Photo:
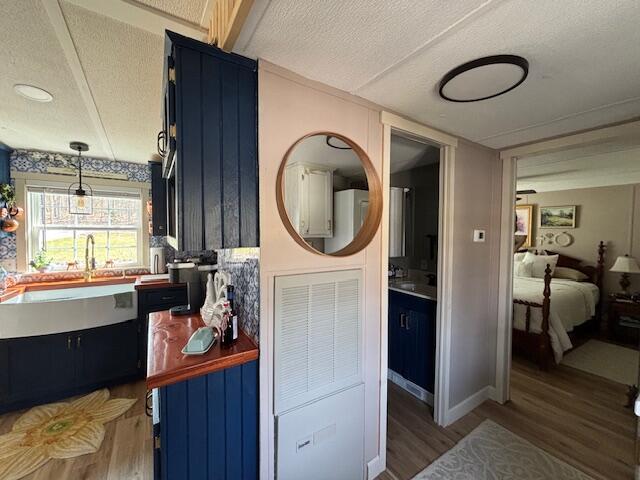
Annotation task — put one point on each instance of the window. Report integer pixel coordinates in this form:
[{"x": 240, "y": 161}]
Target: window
[{"x": 115, "y": 225}]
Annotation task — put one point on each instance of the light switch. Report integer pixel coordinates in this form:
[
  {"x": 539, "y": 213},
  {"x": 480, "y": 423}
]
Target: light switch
[{"x": 479, "y": 236}]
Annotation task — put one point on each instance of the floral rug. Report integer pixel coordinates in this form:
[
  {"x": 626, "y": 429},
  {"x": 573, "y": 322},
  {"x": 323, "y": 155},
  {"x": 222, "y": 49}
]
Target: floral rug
[
  {"x": 490, "y": 452},
  {"x": 58, "y": 430}
]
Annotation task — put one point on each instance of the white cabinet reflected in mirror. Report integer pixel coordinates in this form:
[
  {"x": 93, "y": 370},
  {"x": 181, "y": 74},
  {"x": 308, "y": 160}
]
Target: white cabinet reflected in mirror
[{"x": 324, "y": 194}]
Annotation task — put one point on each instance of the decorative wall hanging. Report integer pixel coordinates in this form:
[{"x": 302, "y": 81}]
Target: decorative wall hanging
[
  {"x": 524, "y": 216},
  {"x": 563, "y": 239},
  {"x": 558, "y": 217},
  {"x": 10, "y": 213}
]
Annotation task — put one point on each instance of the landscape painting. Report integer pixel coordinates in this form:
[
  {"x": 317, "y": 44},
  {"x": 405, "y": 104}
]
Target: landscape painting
[{"x": 558, "y": 217}]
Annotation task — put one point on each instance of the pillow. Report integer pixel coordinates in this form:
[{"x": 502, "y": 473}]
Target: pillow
[
  {"x": 539, "y": 263},
  {"x": 518, "y": 257},
  {"x": 570, "y": 274},
  {"x": 521, "y": 269}
]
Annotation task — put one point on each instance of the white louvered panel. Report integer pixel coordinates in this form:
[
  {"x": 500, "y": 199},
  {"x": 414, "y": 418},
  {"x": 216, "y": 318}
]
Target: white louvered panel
[
  {"x": 347, "y": 330},
  {"x": 322, "y": 314},
  {"x": 318, "y": 336}
]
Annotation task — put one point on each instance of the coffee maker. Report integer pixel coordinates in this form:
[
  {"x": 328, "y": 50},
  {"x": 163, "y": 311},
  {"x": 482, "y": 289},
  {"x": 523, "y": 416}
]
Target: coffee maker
[{"x": 187, "y": 273}]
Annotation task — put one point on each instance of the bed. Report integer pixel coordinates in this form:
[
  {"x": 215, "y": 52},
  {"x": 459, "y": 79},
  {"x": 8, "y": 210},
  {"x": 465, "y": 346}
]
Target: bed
[{"x": 549, "y": 311}]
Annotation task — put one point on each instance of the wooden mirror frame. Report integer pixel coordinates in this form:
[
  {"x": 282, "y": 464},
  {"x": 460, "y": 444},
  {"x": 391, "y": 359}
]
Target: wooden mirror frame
[{"x": 374, "y": 212}]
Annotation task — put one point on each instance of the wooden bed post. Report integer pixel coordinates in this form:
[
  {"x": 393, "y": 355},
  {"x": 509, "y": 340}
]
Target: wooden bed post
[
  {"x": 599, "y": 282},
  {"x": 545, "y": 340}
]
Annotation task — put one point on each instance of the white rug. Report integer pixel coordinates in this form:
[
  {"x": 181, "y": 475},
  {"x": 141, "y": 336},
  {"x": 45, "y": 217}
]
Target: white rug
[
  {"x": 614, "y": 362},
  {"x": 490, "y": 452}
]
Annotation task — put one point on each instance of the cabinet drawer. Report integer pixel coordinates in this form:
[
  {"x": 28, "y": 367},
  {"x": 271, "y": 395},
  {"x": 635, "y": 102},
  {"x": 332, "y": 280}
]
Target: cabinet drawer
[{"x": 173, "y": 296}]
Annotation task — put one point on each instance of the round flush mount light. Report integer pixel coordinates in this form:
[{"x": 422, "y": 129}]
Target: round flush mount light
[
  {"x": 33, "y": 93},
  {"x": 484, "y": 78}
]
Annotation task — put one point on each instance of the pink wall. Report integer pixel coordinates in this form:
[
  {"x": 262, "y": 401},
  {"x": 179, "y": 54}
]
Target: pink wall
[{"x": 290, "y": 107}]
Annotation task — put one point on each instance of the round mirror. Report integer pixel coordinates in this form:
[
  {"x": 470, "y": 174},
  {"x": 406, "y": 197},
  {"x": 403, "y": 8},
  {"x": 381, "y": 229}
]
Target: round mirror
[{"x": 328, "y": 193}]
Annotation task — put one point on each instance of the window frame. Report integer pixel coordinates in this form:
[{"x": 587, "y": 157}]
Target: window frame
[{"x": 31, "y": 239}]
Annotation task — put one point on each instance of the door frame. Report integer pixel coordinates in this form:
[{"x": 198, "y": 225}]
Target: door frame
[
  {"x": 394, "y": 124},
  {"x": 509, "y": 159}
]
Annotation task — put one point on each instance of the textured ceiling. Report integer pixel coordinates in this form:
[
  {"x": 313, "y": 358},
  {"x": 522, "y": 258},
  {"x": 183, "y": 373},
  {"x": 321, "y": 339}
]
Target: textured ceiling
[
  {"x": 584, "y": 71},
  {"x": 123, "y": 66},
  {"x": 189, "y": 10},
  {"x": 104, "y": 72},
  {"x": 407, "y": 154},
  {"x": 614, "y": 162},
  {"x": 31, "y": 54}
]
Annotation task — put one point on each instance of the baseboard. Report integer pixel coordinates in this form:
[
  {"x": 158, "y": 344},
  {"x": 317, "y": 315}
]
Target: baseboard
[
  {"x": 375, "y": 467},
  {"x": 467, "y": 405},
  {"x": 407, "y": 385}
]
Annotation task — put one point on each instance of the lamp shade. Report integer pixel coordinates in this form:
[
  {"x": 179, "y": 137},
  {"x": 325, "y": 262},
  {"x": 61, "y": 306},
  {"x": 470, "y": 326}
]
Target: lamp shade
[{"x": 626, "y": 264}]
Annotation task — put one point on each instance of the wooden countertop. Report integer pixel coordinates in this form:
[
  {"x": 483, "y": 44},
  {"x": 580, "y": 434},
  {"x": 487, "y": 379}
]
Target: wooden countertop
[
  {"x": 166, "y": 364},
  {"x": 162, "y": 283}
]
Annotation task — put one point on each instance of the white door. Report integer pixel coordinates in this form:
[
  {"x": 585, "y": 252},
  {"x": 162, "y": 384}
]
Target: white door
[{"x": 319, "y": 193}]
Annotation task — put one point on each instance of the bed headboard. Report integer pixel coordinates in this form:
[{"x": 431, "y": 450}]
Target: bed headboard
[{"x": 595, "y": 273}]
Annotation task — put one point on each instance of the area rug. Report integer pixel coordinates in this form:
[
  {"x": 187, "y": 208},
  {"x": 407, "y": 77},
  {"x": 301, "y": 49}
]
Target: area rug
[
  {"x": 490, "y": 452},
  {"x": 607, "y": 360},
  {"x": 58, "y": 430}
]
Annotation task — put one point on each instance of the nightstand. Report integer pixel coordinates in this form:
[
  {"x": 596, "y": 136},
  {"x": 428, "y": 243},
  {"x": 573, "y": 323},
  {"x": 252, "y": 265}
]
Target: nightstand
[{"x": 624, "y": 320}]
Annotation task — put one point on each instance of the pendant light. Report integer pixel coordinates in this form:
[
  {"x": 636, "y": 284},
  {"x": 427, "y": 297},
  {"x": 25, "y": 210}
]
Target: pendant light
[{"x": 80, "y": 197}]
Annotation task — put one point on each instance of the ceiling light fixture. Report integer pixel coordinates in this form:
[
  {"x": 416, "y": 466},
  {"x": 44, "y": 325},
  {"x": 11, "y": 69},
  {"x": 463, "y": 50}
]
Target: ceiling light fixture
[
  {"x": 32, "y": 93},
  {"x": 484, "y": 78},
  {"x": 337, "y": 143},
  {"x": 80, "y": 201}
]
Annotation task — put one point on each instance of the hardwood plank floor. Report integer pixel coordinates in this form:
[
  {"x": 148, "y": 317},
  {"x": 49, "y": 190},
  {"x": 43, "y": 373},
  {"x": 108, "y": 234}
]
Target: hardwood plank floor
[
  {"x": 575, "y": 416},
  {"x": 126, "y": 451}
]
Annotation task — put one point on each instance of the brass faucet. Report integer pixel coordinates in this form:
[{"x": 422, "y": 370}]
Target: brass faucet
[{"x": 89, "y": 269}]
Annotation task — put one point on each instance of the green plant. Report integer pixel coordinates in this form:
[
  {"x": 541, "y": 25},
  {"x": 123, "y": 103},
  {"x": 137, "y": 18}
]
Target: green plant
[
  {"x": 41, "y": 260},
  {"x": 7, "y": 194}
]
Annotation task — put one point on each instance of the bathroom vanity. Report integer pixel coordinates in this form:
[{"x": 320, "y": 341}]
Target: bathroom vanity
[{"x": 205, "y": 407}]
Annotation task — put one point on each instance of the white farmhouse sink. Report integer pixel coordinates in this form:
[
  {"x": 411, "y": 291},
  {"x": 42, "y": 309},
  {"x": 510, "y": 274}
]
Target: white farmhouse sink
[{"x": 44, "y": 312}]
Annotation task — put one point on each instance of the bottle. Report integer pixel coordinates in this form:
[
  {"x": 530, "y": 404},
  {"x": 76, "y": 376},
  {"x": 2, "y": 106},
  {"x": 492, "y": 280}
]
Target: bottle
[
  {"x": 227, "y": 327},
  {"x": 233, "y": 315}
]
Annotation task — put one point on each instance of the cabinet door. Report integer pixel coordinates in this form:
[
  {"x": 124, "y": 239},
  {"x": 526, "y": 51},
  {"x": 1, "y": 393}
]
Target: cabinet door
[
  {"x": 158, "y": 200},
  {"x": 319, "y": 191},
  {"x": 106, "y": 353},
  {"x": 396, "y": 334},
  {"x": 36, "y": 367},
  {"x": 420, "y": 345}
]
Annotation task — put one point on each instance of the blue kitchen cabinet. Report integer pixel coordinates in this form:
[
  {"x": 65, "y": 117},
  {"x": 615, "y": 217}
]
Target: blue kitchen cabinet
[
  {"x": 412, "y": 338},
  {"x": 208, "y": 427},
  {"x": 46, "y": 368},
  {"x": 212, "y": 150}
]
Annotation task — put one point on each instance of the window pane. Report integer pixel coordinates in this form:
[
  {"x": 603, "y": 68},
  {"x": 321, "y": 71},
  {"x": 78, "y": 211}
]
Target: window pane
[
  {"x": 60, "y": 247},
  {"x": 122, "y": 255},
  {"x": 125, "y": 212},
  {"x": 56, "y": 210}
]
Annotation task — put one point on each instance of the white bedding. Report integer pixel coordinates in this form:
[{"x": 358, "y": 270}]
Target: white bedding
[{"x": 572, "y": 304}]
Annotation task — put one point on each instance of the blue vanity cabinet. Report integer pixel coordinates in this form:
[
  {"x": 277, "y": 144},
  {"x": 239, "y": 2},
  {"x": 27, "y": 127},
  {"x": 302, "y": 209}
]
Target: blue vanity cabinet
[
  {"x": 46, "y": 368},
  {"x": 216, "y": 145},
  {"x": 208, "y": 427},
  {"x": 412, "y": 338}
]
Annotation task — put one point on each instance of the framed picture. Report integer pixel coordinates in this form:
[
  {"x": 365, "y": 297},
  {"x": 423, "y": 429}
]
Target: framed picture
[
  {"x": 524, "y": 214},
  {"x": 558, "y": 217}
]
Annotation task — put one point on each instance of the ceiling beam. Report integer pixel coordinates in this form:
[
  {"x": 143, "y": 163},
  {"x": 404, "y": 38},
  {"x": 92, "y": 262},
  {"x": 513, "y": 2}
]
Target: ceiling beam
[
  {"x": 61, "y": 29},
  {"x": 143, "y": 17},
  {"x": 226, "y": 22}
]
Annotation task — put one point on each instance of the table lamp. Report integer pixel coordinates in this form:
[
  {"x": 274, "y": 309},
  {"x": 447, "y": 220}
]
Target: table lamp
[{"x": 625, "y": 265}]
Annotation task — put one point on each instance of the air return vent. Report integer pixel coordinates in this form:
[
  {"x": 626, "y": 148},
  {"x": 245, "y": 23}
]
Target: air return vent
[{"x": 318, "y": 336}]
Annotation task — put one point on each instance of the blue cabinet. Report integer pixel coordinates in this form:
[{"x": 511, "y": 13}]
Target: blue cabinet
[
  {"x": 215, "y": 164},
  {"x": 209, "y": 427},
  {"x": 412, "y": 338},
  {"x": 158, "y": 200},
  {"x": 47, "y": 368}
]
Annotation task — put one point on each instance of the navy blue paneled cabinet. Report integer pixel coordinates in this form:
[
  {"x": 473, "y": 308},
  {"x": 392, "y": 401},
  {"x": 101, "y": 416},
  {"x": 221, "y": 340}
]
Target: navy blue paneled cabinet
[
  {"x": 412, "y": 332},
  {"x": 211, "y": 160},
  {"x": 208, "y": 427}
]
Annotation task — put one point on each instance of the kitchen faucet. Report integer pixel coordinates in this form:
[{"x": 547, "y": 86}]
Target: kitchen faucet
[{"x": 89, "y": 270}]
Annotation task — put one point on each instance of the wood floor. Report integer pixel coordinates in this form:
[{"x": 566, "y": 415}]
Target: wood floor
[
  {"x": 575, "y": 416},
  {"x": 126, "y": 452}
]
